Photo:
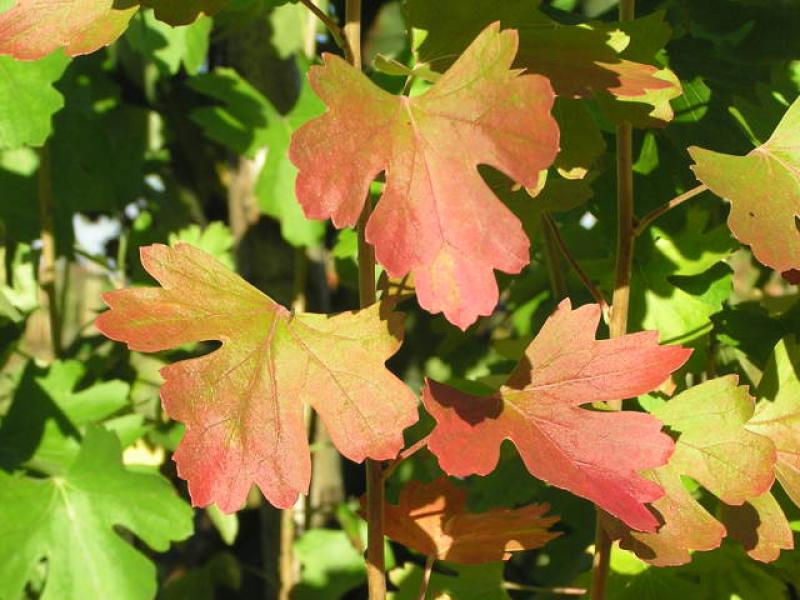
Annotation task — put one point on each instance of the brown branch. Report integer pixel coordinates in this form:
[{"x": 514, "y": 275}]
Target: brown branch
[
  {"x": 47, "y": 265},
  {"x": 408, "y": 452},
  {"x": 552, "y": 227},
  {"x": 336, "y": 32},
  {"x": 645, "y": 222},
  {"x": 426, "y": 577}
]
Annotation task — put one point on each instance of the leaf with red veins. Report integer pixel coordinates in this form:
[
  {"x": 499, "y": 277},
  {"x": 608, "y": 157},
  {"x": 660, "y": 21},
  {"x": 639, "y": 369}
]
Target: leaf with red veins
[
  {"x": 35, "y": 28},
  {"x": 716, "y": 449},
  {"x": 763, "y": 188},
  {"x": 594, "y": 454},
  {"x": 437, "y": 218},
  {"x": 243, "y": 403},
  {"x": 431, "y": 518}
]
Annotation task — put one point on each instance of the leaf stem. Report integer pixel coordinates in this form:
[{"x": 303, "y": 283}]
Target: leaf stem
[
  {"x": 47, "y": 266},
  {"x": 618, "y": 325},
  {"x": 645, "y": 222},
  {"x": 426, "y": 577},
  {"x": 552, "y": 228},
  {"x": 405, "y": 454},
  {"x": 339, "y": 36},
  {"x": 376, "y": 562},
  {"x": 558, "y": 284}
]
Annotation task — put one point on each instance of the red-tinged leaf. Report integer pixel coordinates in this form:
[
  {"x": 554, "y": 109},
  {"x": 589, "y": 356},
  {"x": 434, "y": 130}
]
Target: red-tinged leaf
[
  {"x": 760, "y": 526},
  {"x": 243, "y": 403},
  {"x": 778, "y": 413},
  {"x": 714, "y": 448},
  {"x": 34, "y": 28},
  {"x": 431, "y": 518},
  {"x": 437, "y": 218},
  {"x": 763, "y": 188},
  {"x": 593, "y": 454}
]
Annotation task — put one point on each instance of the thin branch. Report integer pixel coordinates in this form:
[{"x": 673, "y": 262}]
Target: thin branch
[
  {"x": 645, "y": 222},
  {"x": 408, "y": 452},
  {"x": 336, "y": 32},
  {"x": 426, "y": 577},
  {"x": 552, "y": 227},
  {"x": 556, "y": 591},
  {"x": 556, "y": 275},
  {"x": 47, "y": 265}
]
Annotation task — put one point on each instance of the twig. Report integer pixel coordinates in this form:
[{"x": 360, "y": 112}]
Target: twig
[
  {"x": 426, "y": 577},
  {"x": 557, "y": 591},
  {"x": 337, "y": 32},
  {"x": 618, "y": 325},
  {"x": 557, "y": 283},
  {"x": 408, "y": 452},
  {"x": 676, "y": 201},
  {"x": 552, "y": 227},
  {"x": 47, "y": 266}
]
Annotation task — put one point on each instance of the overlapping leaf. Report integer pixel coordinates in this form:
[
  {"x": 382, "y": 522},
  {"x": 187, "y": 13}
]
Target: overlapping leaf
[
  {"x": 431, "y": 518},
  {"x": 715, "y": 448},
  {"x": 437, "y": 218},
  {"x": 578, "y": 60},
  {"x": 763, "y": 188},
  {"x": 70, "y": 522},
  {"x": 593, "y": 454},
  {"x": 243, "y": 403}
]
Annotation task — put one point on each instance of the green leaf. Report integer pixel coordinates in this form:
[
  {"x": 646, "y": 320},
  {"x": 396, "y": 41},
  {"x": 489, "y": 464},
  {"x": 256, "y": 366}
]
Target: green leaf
[
  {"x": 70, "y": 521},
  {"x": 19, "y": 292},
  {"x": 44, "y": 424},
  {"x": 28, "y": 99},
  {"x": 170, "y": 47},
  {"x": 216, "y": 239},
  {"x": 183, "y": 12},
  {"x": 201, "y": 583},
  {"x": 331, "y": 566}
]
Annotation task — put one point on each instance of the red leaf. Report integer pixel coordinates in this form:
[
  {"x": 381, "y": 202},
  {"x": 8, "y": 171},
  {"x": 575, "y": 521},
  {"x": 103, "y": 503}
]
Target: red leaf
[
  {"x": 437, "y": 218},
  {"x": 593, "y": 454},
  {"x": 431, "y": 518},
  {"x": 34, "y": 28},
  {"x": 243, "y": 403}
]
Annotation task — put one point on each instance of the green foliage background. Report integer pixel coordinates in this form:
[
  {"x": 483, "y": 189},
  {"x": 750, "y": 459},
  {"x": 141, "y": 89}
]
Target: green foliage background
[{"x": 181, "y": 133}]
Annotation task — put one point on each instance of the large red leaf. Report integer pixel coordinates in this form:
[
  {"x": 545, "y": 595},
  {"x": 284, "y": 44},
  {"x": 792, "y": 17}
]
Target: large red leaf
[
  {"x": 594, "y": 454},
  {"x": 764, "y": 191},
  {"x": 431, "y": 518},
  {"x": 437, "y": 218},
  {"x": 34, "y": 28},
  {"x": 243, "y": 403}
]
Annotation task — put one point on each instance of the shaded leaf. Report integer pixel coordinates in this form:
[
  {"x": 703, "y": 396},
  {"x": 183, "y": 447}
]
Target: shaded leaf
[
  {"x": 451, "y": 582},
  {"x": 760, "y": 526},
  {"x": 431, "y": 518},
  {"x": 243, "y": 403},
  {"x": 436, "y": 219},
  {"x": 593, "y": 454},
  {"x": 71, "y": 521},
  {"x": 763, "y": 188}
]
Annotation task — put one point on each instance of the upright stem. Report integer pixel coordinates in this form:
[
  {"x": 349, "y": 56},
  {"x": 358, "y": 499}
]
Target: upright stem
[
  {"x": 47, "y": 266},
  {"x": 620, "y": 303},
  {"x": 558, "y": 284},
  {"x": 376, "y": 576}
]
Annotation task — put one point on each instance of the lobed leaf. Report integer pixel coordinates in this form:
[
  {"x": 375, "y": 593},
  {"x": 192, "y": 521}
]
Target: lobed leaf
[
  {"x": 243, "y": 403},
  {"x": 431, "y": 518},
  {"x": 593, "y": 454},
  {"x": 437, "y": 219},
  {"x": 763, "y": 188}
]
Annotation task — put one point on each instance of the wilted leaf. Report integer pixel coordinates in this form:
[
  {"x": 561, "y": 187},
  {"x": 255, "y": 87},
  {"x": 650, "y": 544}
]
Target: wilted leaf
[
  {"x": 243, "y": 403},
  {"x": 436, "y": 218},
  {"x": 431, "y": 518},
  {"x": 593, "y": 454},
  {"x": 764, "y": 191},
  {"x": 70, "y": 521}
]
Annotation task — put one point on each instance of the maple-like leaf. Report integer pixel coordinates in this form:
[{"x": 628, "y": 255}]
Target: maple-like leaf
[
  {"x": 763, "y": 188},
  {"x": 243, "y": 403},
  {"x": 34, "y": 28},
  {"x": 778, "y": 413},
  {"x": 593, "y": 454},
  {"x": 431, "y": 518},
  {"x": 715, "y": 448},
  {"x": 437, "y": 218},
  {"x": 70, "y": 521},
  {"x": 760, "y": 526}
]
